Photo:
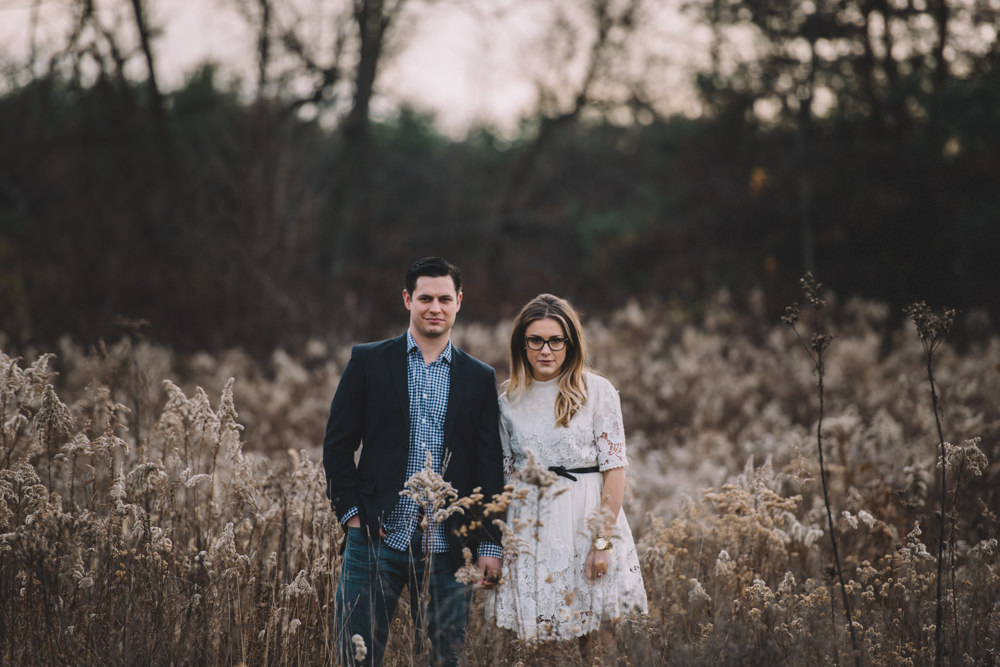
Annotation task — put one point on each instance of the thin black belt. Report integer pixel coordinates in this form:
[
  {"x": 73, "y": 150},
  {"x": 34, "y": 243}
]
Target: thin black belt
[{"x": 563, "y": 471}]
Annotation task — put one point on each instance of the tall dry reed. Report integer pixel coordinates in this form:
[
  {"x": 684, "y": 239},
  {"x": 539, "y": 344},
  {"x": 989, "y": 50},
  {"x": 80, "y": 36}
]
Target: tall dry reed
[{"x": 819, "y": 342}]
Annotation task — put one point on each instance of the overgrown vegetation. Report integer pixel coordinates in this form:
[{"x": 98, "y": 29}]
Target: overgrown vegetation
[{"x": 143, "y": 521}]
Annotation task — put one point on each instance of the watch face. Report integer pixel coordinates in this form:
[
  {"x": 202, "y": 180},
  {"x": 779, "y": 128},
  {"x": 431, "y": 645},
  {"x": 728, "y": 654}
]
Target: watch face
[{"x": 600, "y": 544}]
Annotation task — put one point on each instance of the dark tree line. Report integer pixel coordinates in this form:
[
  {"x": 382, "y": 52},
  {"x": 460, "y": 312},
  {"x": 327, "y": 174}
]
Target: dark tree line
[{"x": 226, "y": 220}]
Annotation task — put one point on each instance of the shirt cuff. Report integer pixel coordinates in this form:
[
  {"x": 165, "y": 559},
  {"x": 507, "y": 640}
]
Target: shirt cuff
[
  {"x": 349, "y": 514},
  {"x": 490, "y": 550}
]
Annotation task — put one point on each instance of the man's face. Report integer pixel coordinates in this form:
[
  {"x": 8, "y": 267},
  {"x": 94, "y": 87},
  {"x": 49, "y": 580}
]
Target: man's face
[{"x": 433, "y": 306}]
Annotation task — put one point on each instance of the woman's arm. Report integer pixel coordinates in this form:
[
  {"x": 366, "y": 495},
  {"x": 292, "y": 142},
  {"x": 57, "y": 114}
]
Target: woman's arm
[
  {"x": 611, "y": 504},
  {"x": 611, "y": 499}
]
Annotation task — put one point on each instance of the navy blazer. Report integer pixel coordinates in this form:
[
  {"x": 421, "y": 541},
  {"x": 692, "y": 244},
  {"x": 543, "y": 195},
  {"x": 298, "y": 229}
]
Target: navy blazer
[{"x": 371, "y": 409}]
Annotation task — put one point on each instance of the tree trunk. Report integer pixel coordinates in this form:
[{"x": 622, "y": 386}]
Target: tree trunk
[
  {"x": 263, "y": 47},
  {"x": 155, "y": 97}
]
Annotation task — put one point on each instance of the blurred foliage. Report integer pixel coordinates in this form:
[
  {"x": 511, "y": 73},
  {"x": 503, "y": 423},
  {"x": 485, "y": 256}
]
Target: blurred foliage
[{"x": 247, "y": 224}]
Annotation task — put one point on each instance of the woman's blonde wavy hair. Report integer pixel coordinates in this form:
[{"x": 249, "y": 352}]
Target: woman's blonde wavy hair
[{"x": 572, "y": 387}]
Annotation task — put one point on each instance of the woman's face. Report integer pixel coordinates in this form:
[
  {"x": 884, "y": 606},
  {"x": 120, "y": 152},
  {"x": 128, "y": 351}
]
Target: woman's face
[{"x": 545, "y": 363}]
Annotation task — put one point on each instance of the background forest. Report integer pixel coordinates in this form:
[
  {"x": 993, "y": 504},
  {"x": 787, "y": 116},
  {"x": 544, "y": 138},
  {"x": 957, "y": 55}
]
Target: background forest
[
  {"x": 858, "y": 140},
  {"x": 183, "y": 270}
]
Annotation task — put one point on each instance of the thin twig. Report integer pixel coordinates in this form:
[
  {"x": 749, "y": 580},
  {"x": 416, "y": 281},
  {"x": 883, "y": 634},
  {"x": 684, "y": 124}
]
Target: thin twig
[
  {"x": 932, "y": 328},
  {"x": 815, "y": 349}
]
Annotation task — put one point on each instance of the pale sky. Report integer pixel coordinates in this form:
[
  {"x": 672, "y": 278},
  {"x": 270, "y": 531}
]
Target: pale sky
[
  {"x": 444, "y": 68},
  {"x": 464, "y": 67}
]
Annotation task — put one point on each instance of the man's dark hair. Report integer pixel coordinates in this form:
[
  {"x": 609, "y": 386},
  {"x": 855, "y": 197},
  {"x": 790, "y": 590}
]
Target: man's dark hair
[{"x": 432, "y": 267}]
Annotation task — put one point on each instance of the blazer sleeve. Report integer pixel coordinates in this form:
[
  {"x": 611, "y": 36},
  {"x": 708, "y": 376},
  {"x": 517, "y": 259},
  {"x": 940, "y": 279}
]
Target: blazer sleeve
[
  {"x": 343, "y": 436},
  {"x": 490, "y": 459}
]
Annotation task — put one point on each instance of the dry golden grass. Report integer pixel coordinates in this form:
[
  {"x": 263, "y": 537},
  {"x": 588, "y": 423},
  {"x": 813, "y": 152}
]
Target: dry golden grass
[{"x": 146, "y": 522}]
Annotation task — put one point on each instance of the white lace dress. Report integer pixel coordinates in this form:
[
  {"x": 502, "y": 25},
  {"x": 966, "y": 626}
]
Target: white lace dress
[{"x": 545, "y": 594}]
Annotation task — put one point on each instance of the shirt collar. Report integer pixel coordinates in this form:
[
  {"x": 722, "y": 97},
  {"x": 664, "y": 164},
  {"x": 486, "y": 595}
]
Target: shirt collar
[{"x": 411, "y": 345}]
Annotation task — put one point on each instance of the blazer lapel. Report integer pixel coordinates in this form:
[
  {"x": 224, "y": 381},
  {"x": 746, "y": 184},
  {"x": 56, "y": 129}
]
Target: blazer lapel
[
  {"x": 397, "y": 370},
  {"x": 456, "y": 393}
]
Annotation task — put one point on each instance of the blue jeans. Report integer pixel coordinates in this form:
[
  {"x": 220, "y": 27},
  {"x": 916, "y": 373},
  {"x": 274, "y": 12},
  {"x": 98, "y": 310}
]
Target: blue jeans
[{"x": 372, "y": 578}]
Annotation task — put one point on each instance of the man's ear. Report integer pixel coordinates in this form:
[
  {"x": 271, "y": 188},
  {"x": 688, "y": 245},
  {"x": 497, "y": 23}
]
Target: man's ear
[
  {"x": 458, "y": 302},
  {"x": 406, "y": 299}
]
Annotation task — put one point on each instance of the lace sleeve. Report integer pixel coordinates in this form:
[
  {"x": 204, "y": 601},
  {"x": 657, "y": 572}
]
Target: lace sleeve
[
  {"x": 508, "y": 454},
  {"x": 609, "y": 429}
]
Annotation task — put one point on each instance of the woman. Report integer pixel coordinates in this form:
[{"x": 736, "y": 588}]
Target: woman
[{"x": 569, "y": 557}]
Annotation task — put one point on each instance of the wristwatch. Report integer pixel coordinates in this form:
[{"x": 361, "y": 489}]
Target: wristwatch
[{"x": 602, "y": 544}]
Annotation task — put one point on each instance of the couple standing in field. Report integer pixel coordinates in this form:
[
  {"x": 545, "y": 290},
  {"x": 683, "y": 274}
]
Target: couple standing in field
[{"x": 556, "y": 433}]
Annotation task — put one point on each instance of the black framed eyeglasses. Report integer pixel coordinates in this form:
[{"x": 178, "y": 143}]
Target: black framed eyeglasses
[{"x": 536, "y": 343}]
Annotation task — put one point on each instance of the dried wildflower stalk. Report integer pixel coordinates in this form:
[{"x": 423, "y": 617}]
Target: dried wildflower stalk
[
  {"x": 932, "y": 328},
  {"x": 817, "y": 345},
  {"x": 438, "y": 500}
]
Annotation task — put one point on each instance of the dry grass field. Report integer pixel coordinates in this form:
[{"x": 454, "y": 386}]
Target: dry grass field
[{"x": 166, "y": 510}]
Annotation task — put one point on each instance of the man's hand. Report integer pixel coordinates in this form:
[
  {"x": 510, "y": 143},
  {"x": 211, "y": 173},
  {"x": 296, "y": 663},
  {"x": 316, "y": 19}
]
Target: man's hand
[
  {"x": 489, "y": 569},
  {"x": 355, "y": 522}
]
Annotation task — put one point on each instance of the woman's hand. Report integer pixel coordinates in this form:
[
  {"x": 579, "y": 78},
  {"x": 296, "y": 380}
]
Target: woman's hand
[{"x": 597, "y": 563}]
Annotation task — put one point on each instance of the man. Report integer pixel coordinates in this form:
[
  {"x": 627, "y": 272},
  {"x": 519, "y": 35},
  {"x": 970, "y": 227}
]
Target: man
[{"x": 404, "y": 399}]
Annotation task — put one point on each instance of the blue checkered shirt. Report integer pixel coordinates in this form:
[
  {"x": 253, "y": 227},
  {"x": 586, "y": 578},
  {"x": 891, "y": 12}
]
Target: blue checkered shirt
[{"x": 428, "y": 386}]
